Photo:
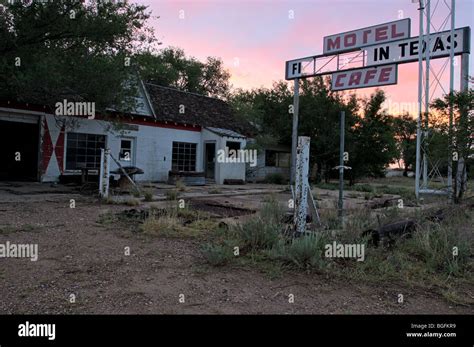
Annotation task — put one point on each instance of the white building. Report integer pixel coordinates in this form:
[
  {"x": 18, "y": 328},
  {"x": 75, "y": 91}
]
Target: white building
[{"x": 170, "y": 131}]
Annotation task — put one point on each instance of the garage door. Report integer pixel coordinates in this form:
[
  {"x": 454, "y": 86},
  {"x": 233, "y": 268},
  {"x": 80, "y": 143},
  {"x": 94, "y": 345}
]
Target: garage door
[{"x": 19, "y": 150}]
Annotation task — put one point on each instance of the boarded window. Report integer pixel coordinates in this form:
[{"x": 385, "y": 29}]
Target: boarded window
[
  {"x": 232, "y": 145},
  {"x": 83, "y": 151},
  {"x": 277, "y": 159},
  {"x": 184, "y": 156}
]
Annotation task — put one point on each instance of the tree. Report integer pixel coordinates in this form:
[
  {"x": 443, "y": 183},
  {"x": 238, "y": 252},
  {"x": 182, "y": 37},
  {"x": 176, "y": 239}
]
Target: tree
[
  {"x": 372, "y": 143},
  {"x": 462, "y": 103},
  {"x": 405, "y": 135},
  {"x": 171, "y": 67},
  {"x": 56, "y": 50},
  {"x": 270, "y": 110}
]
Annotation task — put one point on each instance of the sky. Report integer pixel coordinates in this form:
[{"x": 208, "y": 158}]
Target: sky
[{"x": 254, "y": 38}]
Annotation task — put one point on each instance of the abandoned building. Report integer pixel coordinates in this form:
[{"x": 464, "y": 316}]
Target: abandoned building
[{"x": 169, "y": 131}]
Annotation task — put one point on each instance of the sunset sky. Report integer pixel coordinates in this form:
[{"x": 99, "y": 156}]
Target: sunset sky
[{"x": 254, "y": 38}]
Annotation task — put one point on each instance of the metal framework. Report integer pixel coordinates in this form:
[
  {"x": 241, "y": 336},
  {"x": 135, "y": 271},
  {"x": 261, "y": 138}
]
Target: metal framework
[{"x": 433, "y": 18}]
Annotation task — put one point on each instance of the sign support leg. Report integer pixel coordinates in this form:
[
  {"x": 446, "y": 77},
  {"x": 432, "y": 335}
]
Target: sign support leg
[
  {"x": 301, "y": 184},
  {"x": 341, "y": 167},
  {"x": 294, "y": 137}
]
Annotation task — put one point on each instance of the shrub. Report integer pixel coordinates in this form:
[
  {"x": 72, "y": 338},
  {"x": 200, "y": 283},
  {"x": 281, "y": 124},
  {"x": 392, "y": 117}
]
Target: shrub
[
  {"x": 261, "y": 231},
  {"x": 275, "y": 178},
  {"x": 217, "y": 255},
  {"x": 148, "y": 195},
  {"x": 164, "y": 225},
  {"x": 434, "y": 245},
  {"x": 171, "y": 194},
  {"x": 135, "y": 192},
  {"x": 367, "y": 188},
  {"x": 255, "y": 234},
  {"x": 271, "y": 211},
  {"x": 132, "y": 202},
  {"x": 180, "y": 186},
  {"x": 304, "y": 252}
]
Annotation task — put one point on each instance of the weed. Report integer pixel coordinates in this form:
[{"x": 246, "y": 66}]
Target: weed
[{"x": 217, "y": 255}]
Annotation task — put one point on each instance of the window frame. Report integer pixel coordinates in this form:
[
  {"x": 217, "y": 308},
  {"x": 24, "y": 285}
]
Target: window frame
[
  {"x": 187, "y": 163},
  {"x": 69, "y": 147}
]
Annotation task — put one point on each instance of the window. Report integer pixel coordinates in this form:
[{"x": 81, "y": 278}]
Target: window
[
  {"x": 83, "y": 151},
  {"x": 184, "y": 156},
  {"x": 125, "y": 150},
  {"x": 232, "y": 145},
  {"x": 277, "y": 159}
]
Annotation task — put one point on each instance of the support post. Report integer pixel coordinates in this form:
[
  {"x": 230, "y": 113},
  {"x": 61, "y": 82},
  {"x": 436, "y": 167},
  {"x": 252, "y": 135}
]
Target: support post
[
  {"x": 294, "y": 135},
  {"x": 341, "y": 165},
  {"x": 427, "y": 95},
  {"x": 301, "y": 184},
  {"x": 451, "y": 111},
  {"x": 461, "y": 174},
  {"x": 420, "y": 107},
  {"x": 104, "y": 174}
]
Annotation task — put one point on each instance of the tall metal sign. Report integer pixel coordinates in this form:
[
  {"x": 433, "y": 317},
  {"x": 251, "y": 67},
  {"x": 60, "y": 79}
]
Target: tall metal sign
[{"x": 369, "y": 57}]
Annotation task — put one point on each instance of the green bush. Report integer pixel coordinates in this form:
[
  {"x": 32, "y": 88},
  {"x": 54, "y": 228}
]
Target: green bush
[
  {"x": 261, "y": 231},
  {"x": 217, "y": 255},
  {"x": 256, "y": 234},
  {"x": 303, "y": 252},
  {"x": 434, "y": 245},
  {"x": 271, "y": 211}
]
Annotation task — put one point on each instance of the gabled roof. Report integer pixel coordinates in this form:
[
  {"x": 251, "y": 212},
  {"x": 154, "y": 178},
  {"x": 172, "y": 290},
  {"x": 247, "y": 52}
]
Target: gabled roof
[{"x": 172, "y": 105}]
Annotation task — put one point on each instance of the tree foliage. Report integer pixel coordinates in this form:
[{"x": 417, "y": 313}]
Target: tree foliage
[
  {"x": 55, "y": 50},
  {"x": 405, "y": 136},
  {"x": 171, "y": 67},
  {"x": 368, "y": 128}
]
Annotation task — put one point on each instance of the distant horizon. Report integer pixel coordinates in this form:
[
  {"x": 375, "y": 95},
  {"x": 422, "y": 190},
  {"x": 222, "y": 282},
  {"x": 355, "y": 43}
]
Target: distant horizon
[{"x": 255, "y": 38}]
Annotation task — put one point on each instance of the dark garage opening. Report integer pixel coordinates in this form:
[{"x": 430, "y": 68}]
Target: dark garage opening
[{"x": 18, "y": 138}]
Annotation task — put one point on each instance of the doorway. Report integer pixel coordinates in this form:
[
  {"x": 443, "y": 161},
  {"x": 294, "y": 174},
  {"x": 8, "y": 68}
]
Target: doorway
[
  {"x": 210, "y": 159},
  {"x": 19, "y": 143}
]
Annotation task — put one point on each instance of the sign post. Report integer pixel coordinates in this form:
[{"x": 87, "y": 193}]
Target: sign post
[
  {"x": 294, "y": 136},
  {"x": 341, "y": 166},
  {"x": 301, "y": 184}
]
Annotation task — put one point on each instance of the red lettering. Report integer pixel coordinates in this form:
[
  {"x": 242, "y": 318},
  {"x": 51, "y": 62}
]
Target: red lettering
[
  {"x": 370, "y": 75},
  {"x": 381, "y": 33},
  {"x": 350, "y": 40},
  {"x": 333, "y": 44},
  {"x": 338, "y": 79},
  {"x": 394, "y": 32},
  {"x": 385, "y": 74},
  {"x": 366, "y": 34},
  {"x": 355, "y": 78}
]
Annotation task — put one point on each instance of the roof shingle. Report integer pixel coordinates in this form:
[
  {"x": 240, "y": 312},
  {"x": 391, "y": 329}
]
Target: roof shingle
[{"x": 173, "y": 105}]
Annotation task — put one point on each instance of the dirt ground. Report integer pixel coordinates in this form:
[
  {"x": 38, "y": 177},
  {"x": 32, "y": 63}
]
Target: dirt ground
[{"x": 78, "y": 255}]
